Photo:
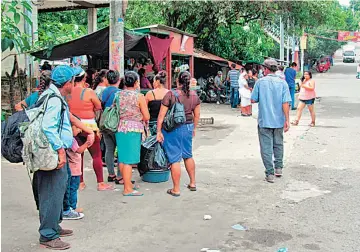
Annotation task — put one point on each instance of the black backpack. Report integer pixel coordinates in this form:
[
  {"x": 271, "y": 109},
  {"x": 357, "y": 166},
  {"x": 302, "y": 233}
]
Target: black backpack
[
  {"x": 175, "y": 116},
  {"x": 11, "y": 144}
]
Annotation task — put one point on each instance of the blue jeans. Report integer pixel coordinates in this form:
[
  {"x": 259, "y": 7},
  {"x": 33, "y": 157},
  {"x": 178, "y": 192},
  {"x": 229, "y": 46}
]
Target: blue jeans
[
  {"x": 50, "y": 190},
  {"x": 110, "y": 145},
  {"x": 234, "y": 97},
  {"x": 292, "y": 94},
  {"x": 74, "y": 187},
  {"x": 271, "y": 145}
]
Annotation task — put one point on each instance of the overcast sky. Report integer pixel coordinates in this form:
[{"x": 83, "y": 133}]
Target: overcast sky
[{"x": 344, "y": 2}]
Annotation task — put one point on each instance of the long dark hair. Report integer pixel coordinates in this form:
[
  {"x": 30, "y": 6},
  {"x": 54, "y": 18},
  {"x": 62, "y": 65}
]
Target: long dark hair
[
  {"x": 89, "y": 76},
  {"x": 184, "y": 81},
  {"x": 161, "y": 76},
  {"x": 45, "y": 79},
  {"x": 303, "y": 77},
  {"x": 99, "y": 77}
]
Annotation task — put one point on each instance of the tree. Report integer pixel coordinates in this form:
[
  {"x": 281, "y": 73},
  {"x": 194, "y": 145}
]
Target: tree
[{"x": 11, "y": 36}]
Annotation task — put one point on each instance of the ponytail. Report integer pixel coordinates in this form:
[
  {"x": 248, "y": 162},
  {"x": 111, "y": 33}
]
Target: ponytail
[
  {"x": 45, "y": 79},
  {"x": 99, "y": 77},
  {"x": 184, "y": 81}
]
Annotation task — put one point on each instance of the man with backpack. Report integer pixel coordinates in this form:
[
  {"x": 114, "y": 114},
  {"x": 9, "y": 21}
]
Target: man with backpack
[{"x": 52, "y": 184}]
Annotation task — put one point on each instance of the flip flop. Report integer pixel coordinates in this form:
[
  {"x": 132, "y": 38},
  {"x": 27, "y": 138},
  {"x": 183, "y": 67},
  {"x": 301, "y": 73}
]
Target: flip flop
[
  {"x": 173, "y": 194},
  {"x": 134, "y": 193},
  {"x": 191, "y": 188}
]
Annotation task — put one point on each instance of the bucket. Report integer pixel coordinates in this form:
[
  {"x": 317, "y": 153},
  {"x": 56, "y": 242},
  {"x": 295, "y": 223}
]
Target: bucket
[{"x": 156, "y": 176}]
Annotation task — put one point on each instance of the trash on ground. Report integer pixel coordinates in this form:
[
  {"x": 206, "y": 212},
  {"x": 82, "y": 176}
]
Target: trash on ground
[
  {"x": 204, "y": 249},
  {"x": 283, "y": 250},
  {"x": 239, "y": 227},
  {"x": 117, "y": 190},
  {"x": 247, "y": 176},
  {"x": 207, "y": 217}
]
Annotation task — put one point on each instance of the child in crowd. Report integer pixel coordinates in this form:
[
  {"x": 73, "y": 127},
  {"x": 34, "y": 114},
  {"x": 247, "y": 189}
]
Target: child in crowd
[{"x": 74, "y": 159}]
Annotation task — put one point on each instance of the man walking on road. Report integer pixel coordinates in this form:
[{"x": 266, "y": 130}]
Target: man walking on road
[
  {"x": 51, "y": 185},
  {"x": 233, "y": 77},
  {"x": 290, "y": 75},
  {"x": 272, "y": 94}
]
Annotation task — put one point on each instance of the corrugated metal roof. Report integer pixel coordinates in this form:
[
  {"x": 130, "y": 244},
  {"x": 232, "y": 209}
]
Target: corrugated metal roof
[
  {"x": 198, "y": 53},
  {"x": 60, "y": 5},
  {"x": 166, "y": 28}
]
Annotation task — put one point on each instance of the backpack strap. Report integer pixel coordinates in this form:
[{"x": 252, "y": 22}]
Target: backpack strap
[
  {"x": 62, "y": 111},
  {"x": 152, "y": 91},
  {"x": 109, "y": 95}
]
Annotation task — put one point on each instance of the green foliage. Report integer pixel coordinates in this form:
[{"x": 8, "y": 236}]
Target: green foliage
[
  {"x": 11, "y": 36},
  {"x": 218, "y": 24}
]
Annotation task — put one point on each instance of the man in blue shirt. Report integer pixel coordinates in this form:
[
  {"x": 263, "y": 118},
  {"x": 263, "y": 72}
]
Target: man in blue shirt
[
  {"x": 49, "y": 187},
  {"x": 272, "y": 94},
  {"x": 107, "y": 100},
  {"x": 290, "y": 76},
  {"x": 233, "y": 77}
]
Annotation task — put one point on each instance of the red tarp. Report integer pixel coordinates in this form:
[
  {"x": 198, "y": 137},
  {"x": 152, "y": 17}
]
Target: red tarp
[{"x": 158, "y": 48}]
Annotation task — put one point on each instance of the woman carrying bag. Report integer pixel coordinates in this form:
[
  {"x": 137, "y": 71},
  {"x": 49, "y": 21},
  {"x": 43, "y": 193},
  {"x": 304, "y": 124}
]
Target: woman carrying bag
[{"x": 177, "y": 141}]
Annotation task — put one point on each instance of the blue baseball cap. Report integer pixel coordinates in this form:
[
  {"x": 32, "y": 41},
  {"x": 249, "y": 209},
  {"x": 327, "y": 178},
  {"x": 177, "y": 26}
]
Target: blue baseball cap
[
  {"x": 62, "y": 74},
  {"x": 78, "y": 71}
]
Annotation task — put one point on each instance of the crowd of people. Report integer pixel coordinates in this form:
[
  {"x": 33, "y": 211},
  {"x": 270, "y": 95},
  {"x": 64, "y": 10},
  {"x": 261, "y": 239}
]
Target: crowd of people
[
  {"x": 56, "y": 191},
  {"x": 86, "y": 95}
]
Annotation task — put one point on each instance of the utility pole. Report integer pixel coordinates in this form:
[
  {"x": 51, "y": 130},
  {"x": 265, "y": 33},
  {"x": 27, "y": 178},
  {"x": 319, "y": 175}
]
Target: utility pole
[
  {"x": 288, "y": 43},
  {"x": 281, "y": 40},
  {"x": 116, "y": 41}
]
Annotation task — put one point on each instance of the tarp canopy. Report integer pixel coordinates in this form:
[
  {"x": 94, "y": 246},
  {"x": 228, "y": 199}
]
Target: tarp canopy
[{"x": 95, "y": 44}]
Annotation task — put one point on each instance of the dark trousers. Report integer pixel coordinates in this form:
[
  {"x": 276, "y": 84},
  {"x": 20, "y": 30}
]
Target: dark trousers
[
  {"x": 271, "y": 145},
  {"x": 74, "y": 187},
  {"x": 66, "y": 202},
  {"x": 234, "y": 97},
  {"x": 50, "y": 190}
]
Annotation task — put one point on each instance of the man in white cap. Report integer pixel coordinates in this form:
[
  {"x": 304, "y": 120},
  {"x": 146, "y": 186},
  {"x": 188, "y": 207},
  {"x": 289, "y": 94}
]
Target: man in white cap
[{"x": 273, "y": 96}]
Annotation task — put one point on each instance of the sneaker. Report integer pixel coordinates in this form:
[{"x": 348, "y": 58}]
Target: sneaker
[
  {"x": 72, "y": 215},
  {"x": 66, "y": 232},
  {"x": 270, "y": 178},
  {"x": 56, "y": 244},
  {"x": 218, "y": 103},
  {"x": 278, "y": 172}
]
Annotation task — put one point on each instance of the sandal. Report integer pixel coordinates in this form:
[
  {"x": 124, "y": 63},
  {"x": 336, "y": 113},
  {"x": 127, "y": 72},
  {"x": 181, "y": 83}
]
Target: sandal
[
  {"x": 117, "y": 181},
  {"x": 105, "y": 187},
  {"x": 191, "y": 188},
  {"x": 295, "y": 123},
  {"x": 172, "y": 193},
  {"x": 312, "y": 124},
  {"x": 134, "y": 193}
]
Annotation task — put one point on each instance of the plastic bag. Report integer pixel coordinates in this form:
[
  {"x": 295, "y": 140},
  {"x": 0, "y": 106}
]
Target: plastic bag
[
  {"x": 159, "y": 159},
  {"x": 147, "y": 148}
]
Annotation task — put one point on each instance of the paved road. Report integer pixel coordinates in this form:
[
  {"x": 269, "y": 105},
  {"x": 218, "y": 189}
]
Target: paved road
[{"x": 315, "y": 207}]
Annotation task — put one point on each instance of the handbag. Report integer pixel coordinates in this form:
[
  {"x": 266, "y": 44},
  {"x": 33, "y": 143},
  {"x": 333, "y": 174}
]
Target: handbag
[
  {"x": 110, "y": 118},
  {"x": 175, "y": 116}
]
